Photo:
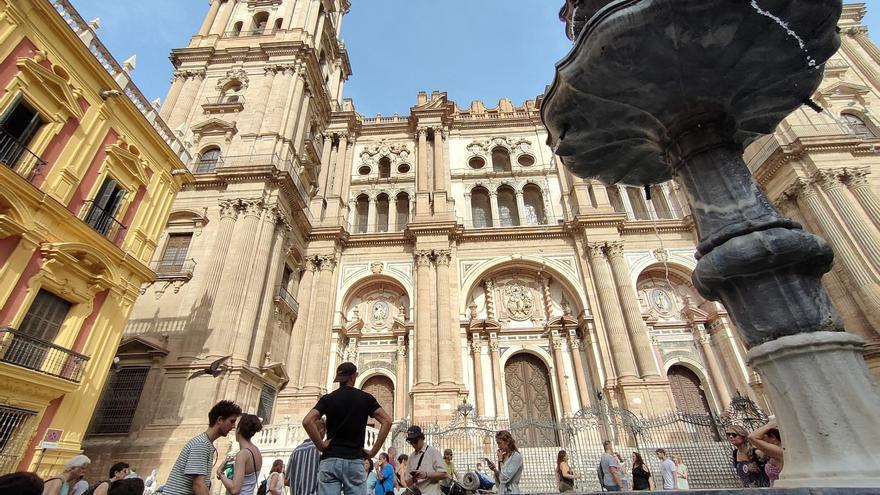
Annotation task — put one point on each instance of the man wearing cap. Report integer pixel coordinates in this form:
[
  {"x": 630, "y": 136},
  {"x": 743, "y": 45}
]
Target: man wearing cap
[
  {"x": 347, "y": 410},
  {"x": 426, "y": 464}
]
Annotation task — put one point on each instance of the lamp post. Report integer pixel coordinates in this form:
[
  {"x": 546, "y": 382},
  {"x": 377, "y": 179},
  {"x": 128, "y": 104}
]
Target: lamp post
[{"x": 656, "y": 89}]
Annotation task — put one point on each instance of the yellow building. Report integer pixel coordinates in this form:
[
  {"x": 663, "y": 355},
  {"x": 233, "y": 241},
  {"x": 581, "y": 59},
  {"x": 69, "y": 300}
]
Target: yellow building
[{"x": 88, "y": 173}]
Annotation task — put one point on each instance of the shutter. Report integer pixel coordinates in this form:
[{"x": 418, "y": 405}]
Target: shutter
[
  {"x": 267, "y": 403},
  {"x": 45, "y": 316},
  {"x": 175, "y": 251}
]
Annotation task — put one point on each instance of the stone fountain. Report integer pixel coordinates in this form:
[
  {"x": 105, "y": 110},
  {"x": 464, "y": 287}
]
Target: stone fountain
[{"x": 656, "y": 89}]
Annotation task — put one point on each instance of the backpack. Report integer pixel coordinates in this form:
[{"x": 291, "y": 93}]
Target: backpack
[
  {"x": 264, "y": 487},
  {"x": 601, "y": 475}
]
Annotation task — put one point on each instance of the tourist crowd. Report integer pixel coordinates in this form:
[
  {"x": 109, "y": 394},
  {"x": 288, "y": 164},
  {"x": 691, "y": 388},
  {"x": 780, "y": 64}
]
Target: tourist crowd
[{"x": 332, "y": 460}]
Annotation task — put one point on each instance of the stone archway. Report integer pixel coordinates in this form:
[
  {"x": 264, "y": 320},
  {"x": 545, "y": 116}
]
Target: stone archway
[
  {"x": 382, "y": 388},
  {"x": 687, "y": 389},
  {"x": 530, "y": 400}
]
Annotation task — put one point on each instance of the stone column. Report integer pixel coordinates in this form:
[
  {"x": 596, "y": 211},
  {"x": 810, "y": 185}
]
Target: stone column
[
  {"x": 177, "y": 83},
  {"x": 857, "y": 181},
  {"x": 392, "y": 212},
  {"x": 184, "y": 103},
  {"x": 274, "y": 113},
  {"x": 371, "y": 216},
  {"x": 327, "y": 184},
  {"x": 424, "y": 352},
  {"x": 574, "y": 344},
  {"x": 445, "y": 335},
  {"x": 318, "y": 344},
  {"x": 609, "y": 303},
  {"x": 260, "y": 104},
  {"x": 632, "y": 313},
  {"x": 489, "y": 285},
  {"x": 493, "y": 201},
  {"x": 866, "y": 288},
  {"x": 209, "y": 18},
  {"x": 275, "y": 271},
  {"x": 496, "y": 376},
  {"x": 468, "y": 218},
  {"x": 438, "y": 161},
  {"x": 866, "y": 236},
  {"x": 401, "y": 386},
  {"x": 258, "y": 262},
  {"x": 477, "y": 353},
  {"x": 229, "y": 302},
  {"x": 204, "y": 305},
  {"x": 714, "y": 366},
  {"x": 219, "y": 27},
  {"x": 423, "y": 201},
  {"x": 557, "y": 342},
  {"x": 297, "y": 353},
  {"x": 303, "y": 117},
  {"x": 624, "y": 199},
  {"x": 341, "y": 168},
  {"x": 521, "y": 208}
]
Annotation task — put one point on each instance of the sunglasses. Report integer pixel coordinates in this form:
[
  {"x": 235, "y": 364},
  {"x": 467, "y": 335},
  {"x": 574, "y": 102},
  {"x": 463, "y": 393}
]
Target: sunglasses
[{"x": 731, "y": 434}]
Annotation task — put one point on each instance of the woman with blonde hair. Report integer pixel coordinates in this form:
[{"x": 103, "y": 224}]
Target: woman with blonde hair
[
  {"x": 510, "y": 464},
  {"x": 681, "y": 473},
  {"x": 62, "y": 484},
  {"x": 748, "y": 467},
  {"x": 564, "y": 477},
  {"x": 275, "y": 483}
]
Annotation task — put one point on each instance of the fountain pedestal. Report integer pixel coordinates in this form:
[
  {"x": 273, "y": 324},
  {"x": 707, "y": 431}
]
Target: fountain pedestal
[{"x": 656, "y": 89}]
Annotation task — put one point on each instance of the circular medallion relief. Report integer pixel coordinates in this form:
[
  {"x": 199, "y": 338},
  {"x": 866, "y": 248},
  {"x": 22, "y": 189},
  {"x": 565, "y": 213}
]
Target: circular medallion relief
[{"x": 661, "y": 301}]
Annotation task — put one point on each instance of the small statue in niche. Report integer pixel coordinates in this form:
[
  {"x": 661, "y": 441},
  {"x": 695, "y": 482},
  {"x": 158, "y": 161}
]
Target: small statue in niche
[
  {"x": 472, "y": 310},
  {"x": 566, "y": 307},
  {"x": 401, "y": 312},
  {"x": 356, "y": 313}
]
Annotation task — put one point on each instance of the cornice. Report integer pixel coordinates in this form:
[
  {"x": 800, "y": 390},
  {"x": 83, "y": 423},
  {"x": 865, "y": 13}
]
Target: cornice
[
  {"x": 514, "y": 233},
  {"x": 649, "y": 226}
]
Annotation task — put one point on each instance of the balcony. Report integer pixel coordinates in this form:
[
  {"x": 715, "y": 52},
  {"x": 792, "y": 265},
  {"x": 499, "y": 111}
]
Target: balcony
[
  {"x": 102, "y": 222},
  {"x": 223, "y": 104},
  {"x": 287, "y": 300},
  {"x": 206, "y": 165},
  {"x": 249, "y": 32},
  {"x": 174, "y": 269},
  {"x": 19, "y": 158},
  {"x": 38, "y": 355}
]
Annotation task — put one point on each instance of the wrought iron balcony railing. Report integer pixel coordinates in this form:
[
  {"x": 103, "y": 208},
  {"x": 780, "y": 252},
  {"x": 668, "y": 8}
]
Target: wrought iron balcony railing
[
  {"x": 19, "y": 158},
  {"x": 285, "y": 297},
  {"x": 174, "y": 268},
  {"x": 38, "y": 355},
  {"x": 225, "y": 100},
  {"x": 206, "y": 165},
  {"x": 102, "y": 222}
]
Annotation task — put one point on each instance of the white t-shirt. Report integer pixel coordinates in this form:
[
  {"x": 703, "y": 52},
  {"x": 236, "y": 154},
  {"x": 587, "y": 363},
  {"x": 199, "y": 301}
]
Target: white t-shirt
[
  {"x": 667, "y": 468},
  {"x": 433, "y": 463}
]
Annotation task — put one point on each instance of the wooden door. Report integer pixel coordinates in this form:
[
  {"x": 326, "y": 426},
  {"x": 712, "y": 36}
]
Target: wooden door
[
  {"x": 530, "y": 401},
  {"x": 382, "y": 389},
  {"x": 690, "y": 398}
]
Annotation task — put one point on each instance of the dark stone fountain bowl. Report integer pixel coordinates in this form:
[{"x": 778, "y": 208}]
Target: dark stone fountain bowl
[{"x": 644, "y": 72}]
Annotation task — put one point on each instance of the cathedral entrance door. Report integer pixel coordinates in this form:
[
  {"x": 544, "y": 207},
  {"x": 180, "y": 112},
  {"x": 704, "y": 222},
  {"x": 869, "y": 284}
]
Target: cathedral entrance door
[
  {"x": 382, "y": 389},
  {"x": 690, "y": 398},
  {"x": 530, "y": 401}
]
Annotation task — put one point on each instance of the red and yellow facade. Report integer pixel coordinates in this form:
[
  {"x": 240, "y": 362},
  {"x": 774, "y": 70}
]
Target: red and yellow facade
[{"x": 88, "y": 173}]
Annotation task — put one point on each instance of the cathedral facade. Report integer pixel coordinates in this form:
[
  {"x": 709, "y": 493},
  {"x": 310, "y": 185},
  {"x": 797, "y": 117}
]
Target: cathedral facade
[{"x": 446, "y": 252}]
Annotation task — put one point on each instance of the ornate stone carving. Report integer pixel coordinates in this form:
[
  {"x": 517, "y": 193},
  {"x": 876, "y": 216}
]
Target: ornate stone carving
[
  {"x": 513, "y": 145},
  {"x": 475, "y": 346},
  {"x": 596, "y": 250},
  {"x": 251, "y": 207},
  {"x": 614, "y": 249},
  {"x": 396, "y": 152},
  {"x": 327, "y": 262},
  {"x": 228, "y": 208},
  {"x": 376, "y": 267},
  {"x": 829, "y": 179},
  {"x": 423, "y": 257},
  {"x": 857, "y": 177},
  {"x": 233, "y": 75},
  {"x": 518, "y": 301},
  {"x": 442, "y": 257}
]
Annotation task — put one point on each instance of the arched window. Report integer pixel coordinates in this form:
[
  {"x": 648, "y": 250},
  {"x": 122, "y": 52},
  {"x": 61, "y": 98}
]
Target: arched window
[
  {"x": 500, "y": 160},
  {"x": 278, "y": 23},
  {"x": 508, "y": 213},
  {"x": 362, "y": 209},
  {"x": 481, "y": 208},
  {"x": 857, "y": 125},
  {"x": 534, "y": 202},
  {"x": 208, "y": 160},
  {"x": 236, "y": 28},
  {"x": 384, "y": 168},
  {"x": 382, "y": 213},
  {"x": 261, "y": 19},
  {"x": 231, "y": 92},
  {"x": 402, "y": 211}
]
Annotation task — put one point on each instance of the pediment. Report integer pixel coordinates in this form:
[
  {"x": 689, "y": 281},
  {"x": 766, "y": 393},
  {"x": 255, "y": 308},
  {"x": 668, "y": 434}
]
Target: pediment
[
  {"x": 139, "y": 347},
  {"x": 84, "y": 258},
  {"x": 565, "y": 321},
  {"x": 438, "y": 101},
  {"x": 214, "y": 126},
  {"x": 844, "y": 90},
  {"x": 484, "y": 326},
  {"x": 129, "y": 163},
  {"x": 276, "y": 372},
  {"x": 52, "y": 86}
]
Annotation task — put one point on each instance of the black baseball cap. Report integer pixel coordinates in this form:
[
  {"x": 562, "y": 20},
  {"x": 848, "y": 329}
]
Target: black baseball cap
[
  {"x": 344, "y": 371},
  {"x": 414, "y": 432}
]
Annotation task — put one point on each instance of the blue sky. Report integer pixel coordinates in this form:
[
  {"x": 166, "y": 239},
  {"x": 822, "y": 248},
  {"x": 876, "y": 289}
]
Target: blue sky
[{"x": 472, "y": 49}]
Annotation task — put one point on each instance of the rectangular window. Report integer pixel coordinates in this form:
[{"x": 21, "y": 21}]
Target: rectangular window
[
  {"x": 175, "y": 253},
  {"x": 120, "y": 400},
  {"x": 267, "y": 403},
  {"x": 16, "y": 427},
  {"x": 37, "y": 332},
  {"x": 103, "y": 207},
  {"x": 18, "y": 125}
]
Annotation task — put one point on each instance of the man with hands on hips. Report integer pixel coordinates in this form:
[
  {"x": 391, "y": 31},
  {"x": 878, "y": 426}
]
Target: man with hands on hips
[{"x": 426, "y": 464}]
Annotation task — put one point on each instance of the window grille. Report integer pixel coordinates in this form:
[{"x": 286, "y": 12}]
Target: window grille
[
  {"x": 267, "y": 403},
  {"x": 16, "y": 427},
  {"x": 120, "y": 399}
]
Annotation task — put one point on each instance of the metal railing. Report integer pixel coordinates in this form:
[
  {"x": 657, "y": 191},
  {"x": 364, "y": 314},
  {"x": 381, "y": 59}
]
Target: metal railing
[
  {"x": 19, "y": 158},
  {"x": 206, "y": 166},
  {"x": 225, "y": 100},
  {"x": 249, "y": 32},
  {"x": 16, "y": 427},
  {"x": 174, "y": 268},
  {"x": 35, "y": 354},
  {"x": 287, "y": 298},
  {"x": 102, "y": 222}
]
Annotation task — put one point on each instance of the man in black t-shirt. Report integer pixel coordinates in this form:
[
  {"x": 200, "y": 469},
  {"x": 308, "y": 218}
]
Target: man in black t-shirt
[{"x": 347, "y": 410}]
